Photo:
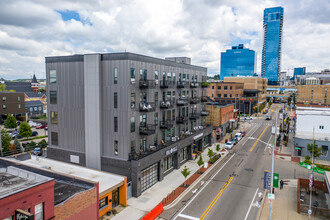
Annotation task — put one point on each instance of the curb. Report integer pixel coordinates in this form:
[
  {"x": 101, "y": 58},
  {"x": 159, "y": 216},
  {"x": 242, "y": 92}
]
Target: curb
[
  {"x": 184, "y": 193},
  {"x": 262, "y": 205}
]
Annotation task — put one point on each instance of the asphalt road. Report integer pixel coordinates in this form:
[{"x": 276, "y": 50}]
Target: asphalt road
[{"x": 236, "y": 188}]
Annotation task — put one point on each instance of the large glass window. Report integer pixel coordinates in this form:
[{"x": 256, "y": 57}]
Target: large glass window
[
  {"x": 132, "y": 75},
  {"x": 132, "y": 100},
  {"x": 19, "y": 98},
  {"x": 52, "y": 76},
  {"x": 115, "y": 75},
  {"x": 149, "y": 177},
  {"x": 115, "y": 124},
  {"x": 133, "y": 146},
  {"x": 4, "y": 98},
  {"x": 54, "y": 138},
  {"x": 168, "y": 162},
  {"x": 133, "y": 124},
  {"x": 156, "y": 77},
  {"x": 53, "y": 97},
  {"x": 103, "y": 202},
  {"x": 116, "y": 148},
  {"x": 156, "y": 98},
  {"x": 115, "y": 100},
  {"x": 53, "y": 118},
  {"x": 39, "y": 212}
]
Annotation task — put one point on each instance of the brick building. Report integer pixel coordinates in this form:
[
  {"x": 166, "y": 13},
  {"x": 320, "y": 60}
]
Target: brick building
[{"x": 309, "y": 95}]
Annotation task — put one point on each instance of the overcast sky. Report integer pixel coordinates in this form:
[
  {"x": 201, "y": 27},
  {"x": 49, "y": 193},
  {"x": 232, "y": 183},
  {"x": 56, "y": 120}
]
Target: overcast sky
[{"x": 31, "y": 30}]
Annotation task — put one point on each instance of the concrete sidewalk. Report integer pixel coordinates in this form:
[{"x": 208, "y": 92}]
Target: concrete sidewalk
[
  {"x": 138, "y": 207},
  {"x": 284, "y": 206}
]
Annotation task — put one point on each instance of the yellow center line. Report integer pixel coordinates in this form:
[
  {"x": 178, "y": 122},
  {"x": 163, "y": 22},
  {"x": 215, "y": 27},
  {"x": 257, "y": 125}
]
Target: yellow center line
[
  {"x": 255, "y": 143},
  {"x": 215, "y": 199}
]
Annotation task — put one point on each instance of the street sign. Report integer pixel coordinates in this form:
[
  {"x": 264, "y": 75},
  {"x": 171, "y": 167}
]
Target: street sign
[
  {"x": 276, "y": 177},
  {"x": 267, "y": 179},
  {"x": 297, "y": 148},
  {"x": 271, "y": 196},
  {"x": 308, "y": 167},
  {"x": 309, "y": 211}
]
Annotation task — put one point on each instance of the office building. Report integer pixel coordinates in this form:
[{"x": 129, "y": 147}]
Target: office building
[
  {"x": 239, "y": 61},
  {"x": 299, "y": 71},
  {"x": 12, "y": 103},
  {"x": 125, "y": 113},
  {"x": 309, "y": 95},
  {"x": 271, "y": 51}
]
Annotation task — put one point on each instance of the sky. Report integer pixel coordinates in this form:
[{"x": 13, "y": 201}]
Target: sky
[{"x": 200, "y": 29}]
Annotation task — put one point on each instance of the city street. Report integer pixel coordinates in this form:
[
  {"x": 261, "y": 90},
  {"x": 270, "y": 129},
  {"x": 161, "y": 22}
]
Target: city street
[{"x": 236, "y": 189}]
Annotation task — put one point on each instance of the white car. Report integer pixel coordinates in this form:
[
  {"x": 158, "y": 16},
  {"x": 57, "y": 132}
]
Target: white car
[
  {"x": 229, "y": 145},
  {"x": 248, "y": 118}
]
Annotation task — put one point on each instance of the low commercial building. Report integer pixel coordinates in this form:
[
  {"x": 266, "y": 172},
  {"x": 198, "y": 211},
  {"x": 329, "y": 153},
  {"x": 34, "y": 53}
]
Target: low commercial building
[
  {"x": 312, "y": 123},
  {"x": 12, "y": 103},
  {"x": 309, "y": 95},
  {"x": 34, "y": 107}
]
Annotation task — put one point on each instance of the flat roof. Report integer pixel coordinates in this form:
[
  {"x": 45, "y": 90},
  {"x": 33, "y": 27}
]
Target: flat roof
[
  {"x": 107, "y": 181},
  {"x": 313, "y": 111},
  {"x": 310, "y": 136},
  {"x": 14, "y": 180}
]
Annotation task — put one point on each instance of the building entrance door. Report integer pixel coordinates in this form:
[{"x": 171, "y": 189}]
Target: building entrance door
[{"x": 115, "y": 198}]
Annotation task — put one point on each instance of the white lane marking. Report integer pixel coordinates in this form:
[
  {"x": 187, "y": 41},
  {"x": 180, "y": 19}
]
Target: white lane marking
[
  {"x": 248, "y": 212},
  {"x": 186, "y": 205},
  {"x": 251, "y": 134},
  {"x": 188, "y": 217},
  {"x": 267, "y": 146}
]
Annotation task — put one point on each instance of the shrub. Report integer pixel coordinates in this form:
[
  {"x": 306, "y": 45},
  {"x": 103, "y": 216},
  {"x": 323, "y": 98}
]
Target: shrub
[
  {"x": 218, "y": 147},
  {"x": 10, "y": 122},
  {"x": 42, "y": 143},
  {"x": 200, "y": 161},
  {"x": 210, "y": 153},
  {"x": 214, "y": 158}
]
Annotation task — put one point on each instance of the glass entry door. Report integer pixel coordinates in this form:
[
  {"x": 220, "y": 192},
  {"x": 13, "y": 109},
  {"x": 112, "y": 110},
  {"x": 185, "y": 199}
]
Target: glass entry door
[{"x": 115, "y": 198}]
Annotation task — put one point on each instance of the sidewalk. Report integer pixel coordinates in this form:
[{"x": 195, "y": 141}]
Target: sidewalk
[
  {"x": 138, "y": 207},
  {"x": 284, "y": 206}
]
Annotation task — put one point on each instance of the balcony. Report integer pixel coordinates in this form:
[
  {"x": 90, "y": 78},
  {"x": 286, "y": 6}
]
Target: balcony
[
  {"x": 194, "y": 100},
  {"x": 194, "y": 115},
  {"x": 166, "y": 124},
  {"x": 181, "y": 102},
  {"x": 147, "y": 84},
  {"x": 181, "y": 85},
  {"x": 193, "y": 84},
  {"x": 147, "y": 129},
  {"x": 164, "y": 84},
  {"x": 205, "y": 84},
  {"x": 166, "y": 104},
  {"x": 204, "y": 99},
  {"x": 204, "y": 113},
  {"x": 181, "y": 119},
  {"x": 147, "y": 107}
]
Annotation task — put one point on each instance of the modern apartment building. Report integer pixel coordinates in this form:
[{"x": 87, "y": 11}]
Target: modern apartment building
[
  {"x": 272, "y": 44},
  {"x": 125, "y": 113},
  {"x": 12, "y": 103},
  {"x": 238, "y": 61}
]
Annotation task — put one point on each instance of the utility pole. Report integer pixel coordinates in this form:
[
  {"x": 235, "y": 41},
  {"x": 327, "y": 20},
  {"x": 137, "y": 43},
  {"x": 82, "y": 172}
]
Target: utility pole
[
  {"x": 311, "y": 181},
  {"x": 272, "y": 176}
]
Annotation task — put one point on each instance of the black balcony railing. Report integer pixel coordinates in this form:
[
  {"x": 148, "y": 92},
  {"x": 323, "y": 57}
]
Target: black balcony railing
[
  {"x": 193, "y": 84},
  {"x": 166, "y": 104},
  {"x": 204, "y": 113},
  {"x": 194, "y": 100},
  {"x": 194, "y": 115},
  {"x": 181, "y": 119},
  {"x": 181, "y": 84},
  {"x": 147, "y": 129},
  {"x": 166, "y": 124},
  {"x": 166, "y": 84},
  {"x": 204, "y": 99},
  {"x": 181, "y": 102},
  {"x": 147, "y": 107},
  {"x": 147, "y": 84}
]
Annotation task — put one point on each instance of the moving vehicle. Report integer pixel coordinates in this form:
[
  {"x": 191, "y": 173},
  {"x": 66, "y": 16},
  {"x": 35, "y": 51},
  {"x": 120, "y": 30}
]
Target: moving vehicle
[
  {"x": 248, "y": 118},
  {"x": 229, "y": 145},
  {"x": 268, "y": 117},
  {"x": 243, "y": 133},
  {"x": 238, "y": 136}
]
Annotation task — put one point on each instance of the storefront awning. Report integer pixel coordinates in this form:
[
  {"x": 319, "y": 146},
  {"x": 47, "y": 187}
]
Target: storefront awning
[{"x": 232, "y": 119}]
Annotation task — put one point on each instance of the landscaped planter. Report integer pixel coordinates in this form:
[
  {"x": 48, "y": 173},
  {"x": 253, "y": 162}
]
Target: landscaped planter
[{"x": 214, "y": 158}]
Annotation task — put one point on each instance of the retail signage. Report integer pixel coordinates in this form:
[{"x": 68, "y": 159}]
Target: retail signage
[
  {"x": 21, "y": 214},
  {"x": 198, "y": 136},
  {"x": 172, "y": 150},
  {"x": 267, "y": 179}
]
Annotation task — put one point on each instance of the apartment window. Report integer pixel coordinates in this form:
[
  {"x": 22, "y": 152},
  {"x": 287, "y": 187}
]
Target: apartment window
[
  {"x": 132, "y": 100},
  {"x": 156, "y": 76},
  {"x": 115, "y": 124},
  {"x": 40, "y": 108},
  {"x": 321, "y": 127},
  {"x": 19, "y": 106},
  {"x": 156, "y": 98},
  {"x": 53, "y": 117},
  {"x": 39, "y": 212},
  {"x": 225, "y": 87},
  {"x": 230, "y": 95},
  {"x": 31, "y": 109},
  {"x": 156, "y": 118},
  {"x": 225, "y": 95},
  {"x": 4, "y": 98},
  {"x": 133, "y": 124},
  {"x": 115, "y": 100},
  {"x": 52, "y": 76},
  {"x": 324, "y": 150},
  {"x": 212, "y": 95},
  {"x": 53, "y": 97},
  {"x": 132, "y": 75},
  {"x": 103, "y": 202},
  {"x": 132, "y": 146},
  {"x": 54, "y": 138},
  {"x": 115, "y": 75},
  {"x": 212, "y": 87},
  {"x": 230, "y": 87},
  {"x": 116, "y": 148},
  {"x": 219, "y": 95},
  {"x": 35, "y": 109},
  {"x": 19, "y": 98},
  {"x": 4, "y": 106},
  {"x": 219, "y": 87}
]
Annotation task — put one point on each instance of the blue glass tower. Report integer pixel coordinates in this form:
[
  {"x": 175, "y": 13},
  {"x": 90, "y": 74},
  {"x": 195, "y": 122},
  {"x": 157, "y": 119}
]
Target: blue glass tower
[
  {"x": 271, "y": 51},
  {"x": 238, "y": 61},
  {"x": 299, "y": 71}
]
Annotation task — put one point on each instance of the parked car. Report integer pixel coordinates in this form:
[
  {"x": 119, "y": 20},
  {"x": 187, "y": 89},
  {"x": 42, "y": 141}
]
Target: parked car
[
  {"x": 229, "y": 145},
  {"x": 238, "y": 136},
  {"x": 32, "y": 124},
  {"x": 243, "y": 133},
  {"x": 248, "y": 118},
  {"x": 41, "y": 126},
  {"x": 46, "y": 128},
  {"x": 268, "y": 117},
  {"x": 34, "y": 133},
  {"x": 234, "y": 140},
  {"x": 281, "y": 110},
  {"x": 37, "y": 151},
  {"x": 16, "y": 135},
  {"x": 24, "y": 144}
]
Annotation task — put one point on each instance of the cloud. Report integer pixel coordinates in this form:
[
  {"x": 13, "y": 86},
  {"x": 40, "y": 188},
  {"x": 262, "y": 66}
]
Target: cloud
[{"x": 200, "y": 29}]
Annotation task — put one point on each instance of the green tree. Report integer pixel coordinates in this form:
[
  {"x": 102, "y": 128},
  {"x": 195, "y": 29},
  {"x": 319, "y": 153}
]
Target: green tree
[
  {"x": 25, "y": 130},
  {"x": 185, "y": 172},
  {"x": 5, "y": 140},
  {"x": 18, "y": 146},
  {"x": 218, "y": 147},
  {"x": 200, "y": 161},
  {"x": 10, "y": 122},
  {"x": 42, "y": 143},
  {"x": 313, "y": 149},
  {"x": 2, "y": 87},
  {"x": 210, "y": 153}
]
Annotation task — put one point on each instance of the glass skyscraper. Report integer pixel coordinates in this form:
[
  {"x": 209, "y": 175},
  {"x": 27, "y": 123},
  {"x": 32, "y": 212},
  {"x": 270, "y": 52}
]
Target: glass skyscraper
[
  {"x": 299, "y": 71},
  {"x": 238, "y": 61},
  {"x": 271, "y": 51}
]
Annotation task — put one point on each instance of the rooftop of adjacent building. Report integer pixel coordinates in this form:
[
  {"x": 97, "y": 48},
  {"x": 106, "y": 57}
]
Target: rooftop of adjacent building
[
  {"x": 19, "y": 86},
  {"x": 107, "y": 181},
  {"x": 14, "y": 180},
  {"x": 33, "y": 103},
  {"x": 125, "y": 56},
  {"x": 312, "y": 111},
  {"x": 311, "y": 136}
]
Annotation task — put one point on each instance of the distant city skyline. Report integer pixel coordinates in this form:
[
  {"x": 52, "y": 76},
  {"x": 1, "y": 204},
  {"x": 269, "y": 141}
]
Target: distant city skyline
[{"x": 198, "y": 29}]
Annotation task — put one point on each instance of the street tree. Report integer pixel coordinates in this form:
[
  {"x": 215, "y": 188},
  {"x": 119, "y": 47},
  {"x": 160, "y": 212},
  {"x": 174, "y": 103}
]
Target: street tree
[
  {"x": 218, "y": 147},
  {"x": 17, "y": 145},
  {"x": 200, "y": 161},
  {"x": 185, "y": 172},
  {"x": 10, "y": 122},
  {"x": 5, "y": 140},
  {"x": 210, "y": 153},
  {"x": 25, "y": 130},
  {"x": 314, "y": 149}
]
